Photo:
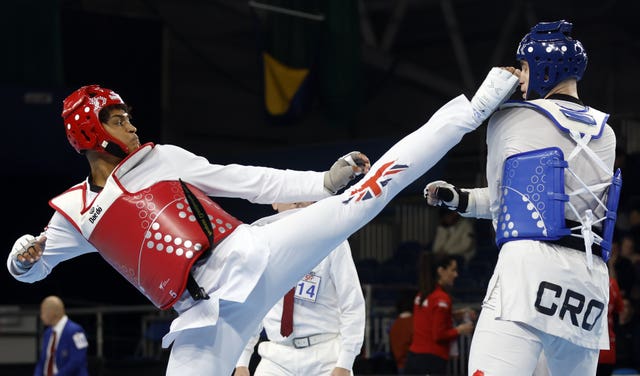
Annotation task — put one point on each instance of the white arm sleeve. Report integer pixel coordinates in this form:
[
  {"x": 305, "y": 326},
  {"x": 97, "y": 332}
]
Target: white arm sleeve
[
  {"x": 479, "y": 203},
  {"x": 64, "y": 242},
  {"x": 261, "y": 185}
]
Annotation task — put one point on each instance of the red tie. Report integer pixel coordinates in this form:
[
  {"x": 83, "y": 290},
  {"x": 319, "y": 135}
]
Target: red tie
[
  {"x": 52, "y": 354},
  {"x": 286, "y": 323}
]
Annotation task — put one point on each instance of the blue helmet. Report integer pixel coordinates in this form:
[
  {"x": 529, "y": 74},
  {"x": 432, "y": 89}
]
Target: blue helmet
[{"x": 552, "y": 55}]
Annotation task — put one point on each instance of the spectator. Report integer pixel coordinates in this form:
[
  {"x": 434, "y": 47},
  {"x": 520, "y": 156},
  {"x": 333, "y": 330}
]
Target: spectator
[
  {"x": 633, "y": 218},
  {"x": 629, "y": 251},
  {"x": 64, "y": 344},
  {"x": 433, "y": 330},
  {"x": 628, "y": 247},
  {"x": 401, "y": 331},
  {"x": 455, "y": 236},
  {"x": 607, "y": 358},
  {"x": 629, "y": 166},
  {"x": 623, "y": 267},
  {"x": 628, "y": 337}
]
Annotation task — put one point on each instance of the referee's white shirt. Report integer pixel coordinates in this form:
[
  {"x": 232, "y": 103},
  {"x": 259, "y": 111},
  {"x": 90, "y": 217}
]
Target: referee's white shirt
[{"x": 339, "y": 307}]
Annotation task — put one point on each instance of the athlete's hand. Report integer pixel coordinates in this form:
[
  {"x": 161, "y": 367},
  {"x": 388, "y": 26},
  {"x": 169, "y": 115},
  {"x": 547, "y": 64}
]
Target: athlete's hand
[
  {"x": 471, "y": 314},
  {"x": 465, "y": 314},
  {"x": 242, "y": 371},
  {"x": 441, "y": 193},
  {"x": 439, "y": 186},
  {"x": 27, "y": 250},
  {"x": 345, "y": 169},
  {"x": 465, "y": 328}
]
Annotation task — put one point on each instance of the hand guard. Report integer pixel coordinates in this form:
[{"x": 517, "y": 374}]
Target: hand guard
[
  {"x": 441, "y": 193},
  {"x": 496, "y": 88},
  {"x": 345, "y": 169},
  {"x": 21, "y": 247}
]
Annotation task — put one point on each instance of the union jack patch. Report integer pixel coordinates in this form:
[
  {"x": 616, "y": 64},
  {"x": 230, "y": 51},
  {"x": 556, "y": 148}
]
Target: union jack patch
[{"x": 372, "y": 187}]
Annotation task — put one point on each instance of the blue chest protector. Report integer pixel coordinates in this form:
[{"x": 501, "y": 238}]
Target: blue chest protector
[
  {"x": 532, "y": 197},
  {"x": 532, "y": 194}
]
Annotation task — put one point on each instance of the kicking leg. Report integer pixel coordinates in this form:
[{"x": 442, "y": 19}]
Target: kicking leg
[{"x": 301, "y": 240}]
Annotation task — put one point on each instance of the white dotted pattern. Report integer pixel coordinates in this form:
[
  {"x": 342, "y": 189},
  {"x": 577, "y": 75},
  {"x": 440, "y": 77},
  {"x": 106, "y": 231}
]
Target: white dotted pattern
[
  {"x": 160, "y": 240},
  {"x": 531, "y": 198}
]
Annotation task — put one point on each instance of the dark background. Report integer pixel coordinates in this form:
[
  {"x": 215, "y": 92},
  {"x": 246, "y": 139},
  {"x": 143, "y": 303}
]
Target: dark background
[{"x": 192, "y": 72}]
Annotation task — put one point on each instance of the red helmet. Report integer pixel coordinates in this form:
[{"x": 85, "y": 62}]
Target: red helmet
[{"x": 80, "y": 113}]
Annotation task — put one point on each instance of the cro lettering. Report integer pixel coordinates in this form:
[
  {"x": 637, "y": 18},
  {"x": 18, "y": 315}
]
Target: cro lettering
[{"x": 562, "y": 302}]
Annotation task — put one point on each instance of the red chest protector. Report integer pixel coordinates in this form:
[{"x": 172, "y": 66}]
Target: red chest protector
[{"x": 151, "y": 237}]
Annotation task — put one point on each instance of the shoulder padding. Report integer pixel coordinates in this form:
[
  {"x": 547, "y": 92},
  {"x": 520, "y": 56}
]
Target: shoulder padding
[{"x": 585, "y": 120}]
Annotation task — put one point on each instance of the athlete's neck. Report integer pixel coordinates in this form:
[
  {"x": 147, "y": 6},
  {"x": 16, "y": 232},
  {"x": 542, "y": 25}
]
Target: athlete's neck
[
  {"x": 102, "y": 165},
  {"x": 566, "y": 97},
  {"x": 567, "y": 87}
]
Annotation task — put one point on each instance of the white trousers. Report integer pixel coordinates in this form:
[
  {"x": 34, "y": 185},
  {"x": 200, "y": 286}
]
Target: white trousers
[
  {"x": 281, "y": 360},
  {"x": 507, "y": 348},
  {"x": 301, "y": 240}
]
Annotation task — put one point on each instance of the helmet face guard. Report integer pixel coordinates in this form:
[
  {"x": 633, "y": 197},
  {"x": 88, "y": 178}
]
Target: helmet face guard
[
  {"x": 553, "y": 56},
  {"x": 82, "y": 123}
]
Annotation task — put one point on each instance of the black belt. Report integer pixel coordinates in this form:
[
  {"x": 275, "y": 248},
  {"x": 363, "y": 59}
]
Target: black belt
[{"x": 577, "y": 243}]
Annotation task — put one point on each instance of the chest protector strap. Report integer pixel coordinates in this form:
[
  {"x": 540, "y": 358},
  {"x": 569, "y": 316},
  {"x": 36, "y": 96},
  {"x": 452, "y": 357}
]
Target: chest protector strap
[
  {"x": 201, "y": 217},
  {"x": 537, "y": 178}
]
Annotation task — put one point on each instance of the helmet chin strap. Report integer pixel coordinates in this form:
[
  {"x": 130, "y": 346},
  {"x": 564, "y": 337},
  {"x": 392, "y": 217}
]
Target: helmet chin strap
[
  {"x": 532, "y": 94},
  {"x": 116, "y": 150}
]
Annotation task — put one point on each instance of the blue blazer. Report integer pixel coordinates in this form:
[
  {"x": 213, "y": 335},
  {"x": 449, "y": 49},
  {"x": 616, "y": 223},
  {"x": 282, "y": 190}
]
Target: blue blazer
[{"x": 70, "y": 360}]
